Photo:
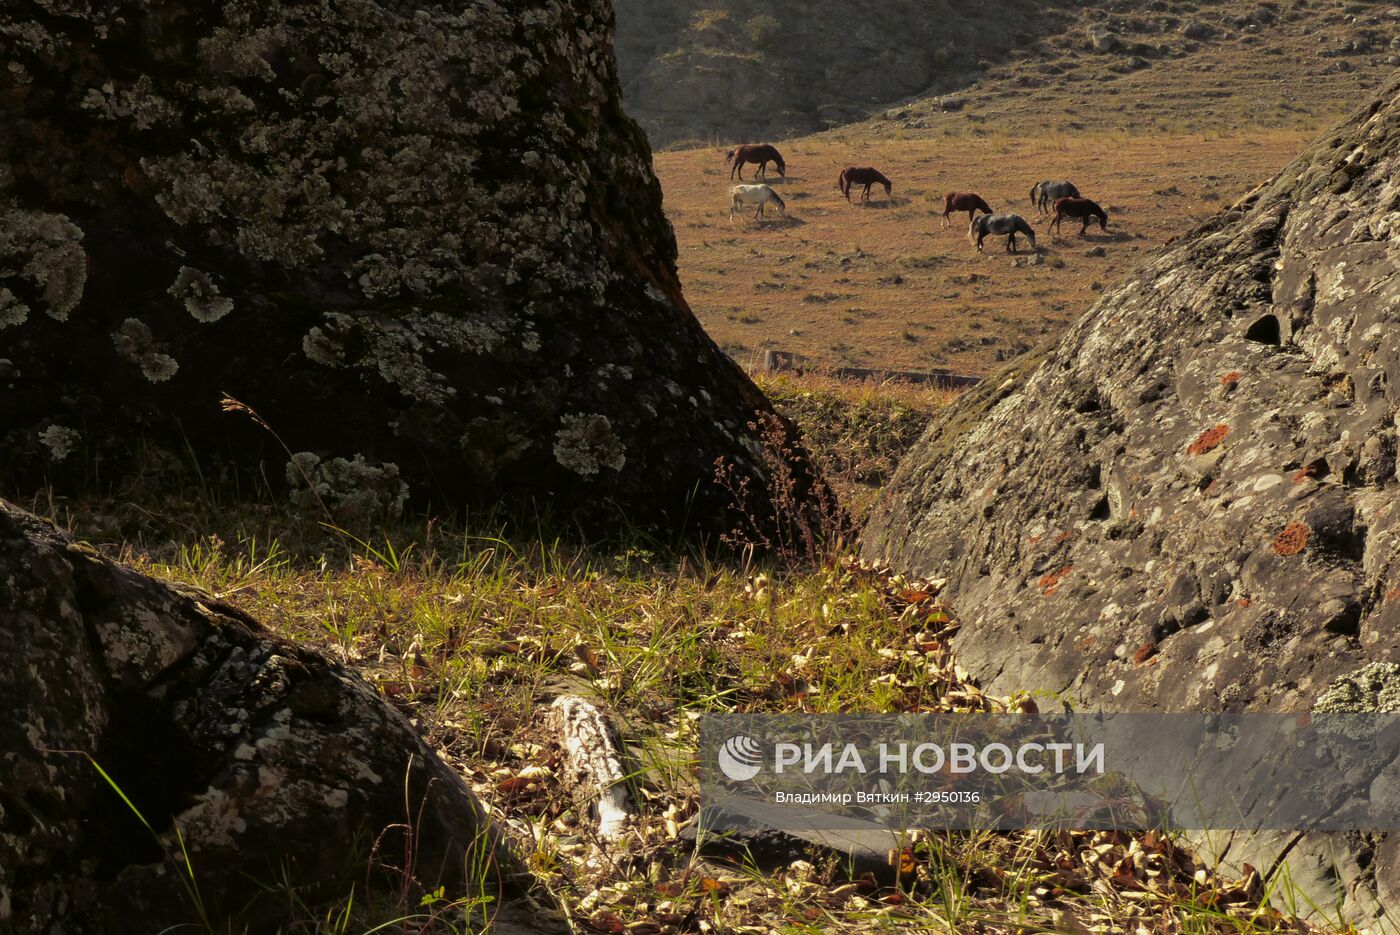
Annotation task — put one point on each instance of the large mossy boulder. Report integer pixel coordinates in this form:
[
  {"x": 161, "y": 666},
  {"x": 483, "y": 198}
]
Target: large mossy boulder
[
  {"x": 421, "y": 241},
  {"x": 258, "y": 766},
  {"x": 1190, "y": 502}
]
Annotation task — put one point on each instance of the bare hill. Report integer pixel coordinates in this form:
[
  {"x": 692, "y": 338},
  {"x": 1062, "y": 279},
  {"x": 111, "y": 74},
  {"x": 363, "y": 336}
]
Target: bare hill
[{"x": 711, "y": 70}]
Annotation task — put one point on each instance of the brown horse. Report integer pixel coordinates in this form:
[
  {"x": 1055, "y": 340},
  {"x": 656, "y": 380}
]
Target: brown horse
[
  {"x": 760, "y": 154},
  {"x": 862, "y": 175},
  {"x": 1081, "y": 208},
  {"x": 963, "y": 201}
]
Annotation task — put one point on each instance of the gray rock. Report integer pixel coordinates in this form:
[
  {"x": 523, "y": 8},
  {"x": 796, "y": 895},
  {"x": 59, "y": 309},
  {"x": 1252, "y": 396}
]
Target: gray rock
[
  {"x": 1189, "y": 502},
  {"x": 1102, "y": 40},
  {"x": 454, "y": 287},
  {"x": 1195, "y": 29},
  {"x": 772, "y": 836},
  {"x": 272, "y": 764}
]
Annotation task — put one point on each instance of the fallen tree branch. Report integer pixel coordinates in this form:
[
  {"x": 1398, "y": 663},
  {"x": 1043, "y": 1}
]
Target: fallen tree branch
[{"x": 593, "y": 762}]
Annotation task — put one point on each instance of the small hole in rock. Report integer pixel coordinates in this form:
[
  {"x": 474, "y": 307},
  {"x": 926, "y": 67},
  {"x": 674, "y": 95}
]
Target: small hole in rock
[
  {"x": 1265, "y": 331},
  {"x": 1101, "y": 511}
]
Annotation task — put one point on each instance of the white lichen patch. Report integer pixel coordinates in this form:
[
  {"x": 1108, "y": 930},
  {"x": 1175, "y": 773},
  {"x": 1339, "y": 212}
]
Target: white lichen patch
[
  {"x": 349, "y": 488},
  {"x": 45, "y": 251},
  {"x": 60, "y": 440},
  {"x": 135, "y": 343},
  {"x": 587, "y": 444},
  {"x": 200, "y": 295},
  {"x": 1374, "y": 688},
  {"x": 322, "y": 348},
  {"x": 13, "y": 312}
]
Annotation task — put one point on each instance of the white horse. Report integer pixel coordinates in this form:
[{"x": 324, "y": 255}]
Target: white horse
[{"x": 758, "y": 195}]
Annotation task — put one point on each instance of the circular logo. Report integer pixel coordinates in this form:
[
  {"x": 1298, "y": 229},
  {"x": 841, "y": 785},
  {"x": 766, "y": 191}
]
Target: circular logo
[{"x": 740, "y": 758}]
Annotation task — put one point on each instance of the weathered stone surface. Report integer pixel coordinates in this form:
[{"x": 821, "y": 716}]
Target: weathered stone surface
[
  {"x": 274, "y": 765},
  {"x": 422, "y": 241},
  {"x": 1190, "y": 502}
]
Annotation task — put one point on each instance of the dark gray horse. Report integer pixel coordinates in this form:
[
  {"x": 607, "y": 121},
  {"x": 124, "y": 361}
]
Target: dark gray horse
[
  {"x": 1044, "y": 194},
  {"x": 1008, "y": 224}
]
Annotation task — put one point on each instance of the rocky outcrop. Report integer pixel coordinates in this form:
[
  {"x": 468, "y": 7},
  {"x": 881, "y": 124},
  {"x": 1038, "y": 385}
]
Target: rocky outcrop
[
  {"x": 423, "y": 243},
  {"x": 270, "y": 766},
  {"x": 1190, "y": 502}
]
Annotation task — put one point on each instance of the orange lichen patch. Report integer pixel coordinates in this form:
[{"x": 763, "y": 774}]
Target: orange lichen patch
[
  {"x": 1311, "y": 471},
  {"x": 1392, "y": 595},
  {"x": 1062, "y": 537},
  {"x": 1050, "y": 582},
  {"x": 1033, "y": 539},
  {"x": 135, "y": 179},
  {"x": 1243, "y": 602},
  {"x": 1292, "y": 540},
  {"x": 1209, "y": 439},
  {"x": 1231, "y": 378},
  {"x": 1145, "y": 652},
  {"x": 1085, "y": 644}
]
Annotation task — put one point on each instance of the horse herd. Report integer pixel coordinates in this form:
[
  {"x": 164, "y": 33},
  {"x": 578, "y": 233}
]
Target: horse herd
[{"x": 1055, "y": 199}]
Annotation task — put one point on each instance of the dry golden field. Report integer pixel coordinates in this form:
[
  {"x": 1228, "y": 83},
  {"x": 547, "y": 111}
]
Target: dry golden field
[
  {"x": 884, "y": 285},
  {"x": 1182, "y": 109}
]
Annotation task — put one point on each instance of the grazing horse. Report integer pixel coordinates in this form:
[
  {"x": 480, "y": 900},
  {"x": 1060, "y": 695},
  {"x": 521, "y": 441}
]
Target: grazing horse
[
  {"x": 760, "y": 154},
  {"x": 1081, "y": 208},
  {"x": 758, "y": 195},
  {"x": 862, "y": 175},
  {"x": 1047, "y": 193},
  {"x": 963, "y": 201},
  {"x": 1009, "y": 224}
]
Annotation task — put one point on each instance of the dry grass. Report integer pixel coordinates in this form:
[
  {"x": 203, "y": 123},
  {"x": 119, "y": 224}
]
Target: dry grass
[
  {"x": 858, "y": 430},
  {"x": 470, "y": 631}
]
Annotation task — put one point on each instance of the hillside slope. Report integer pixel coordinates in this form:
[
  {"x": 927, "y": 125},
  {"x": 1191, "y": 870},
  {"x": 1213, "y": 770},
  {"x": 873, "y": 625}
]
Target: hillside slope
[
  {"x": 725, "y": 70},
  {"x": 701, "y": 69}
]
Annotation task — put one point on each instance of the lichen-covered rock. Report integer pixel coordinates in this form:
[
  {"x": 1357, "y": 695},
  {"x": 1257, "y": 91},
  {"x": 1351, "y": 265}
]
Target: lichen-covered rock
[
  {"x": 1191, "y": 502},
  {"x": 414, "y": 237},
  {"x": 274, "y": 766}
]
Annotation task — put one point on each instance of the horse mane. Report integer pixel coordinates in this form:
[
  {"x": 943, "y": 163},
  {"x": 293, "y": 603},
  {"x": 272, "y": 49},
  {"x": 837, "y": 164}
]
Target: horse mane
[{"x": 776, "y": 197}]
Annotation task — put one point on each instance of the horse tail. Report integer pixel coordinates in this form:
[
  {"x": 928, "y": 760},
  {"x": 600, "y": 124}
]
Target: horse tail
[
  {"x": 729, "y": 156},
  {"x": 1035, "y": 190}
]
